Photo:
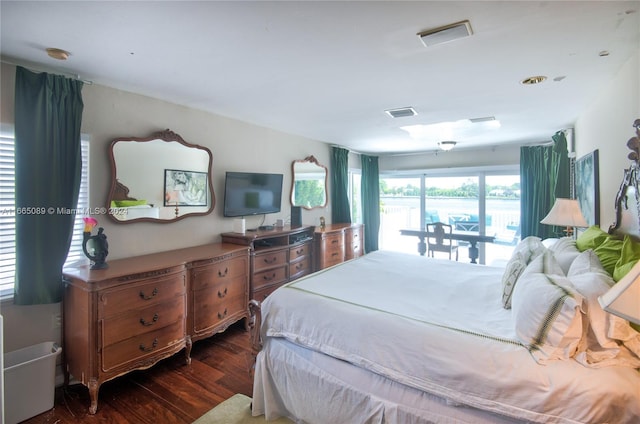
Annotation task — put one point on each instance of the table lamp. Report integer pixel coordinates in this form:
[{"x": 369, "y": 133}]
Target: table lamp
[
  {"x": 565, "y": 213},
  {"x": 623, "y": 299}
]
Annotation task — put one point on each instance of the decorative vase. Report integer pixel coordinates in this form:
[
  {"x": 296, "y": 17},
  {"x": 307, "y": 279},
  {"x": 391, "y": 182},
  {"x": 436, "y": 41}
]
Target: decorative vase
[{"x": 97, "y": 249}]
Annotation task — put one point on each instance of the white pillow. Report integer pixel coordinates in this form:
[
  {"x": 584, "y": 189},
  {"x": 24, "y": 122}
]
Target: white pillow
[
  {"x": 512, "y": 272},
  {"x": 548, "y": 242},
  {"x": 523, "y": 253},
  {"x": 547, "y": 313},
  {"x": 529, "y": 248},
  {"x": 565, "y": 251},
  {"x": 607, "y": 339},
  {"x": 586, "y": 262},
  {"x": 545, "y": 263}
]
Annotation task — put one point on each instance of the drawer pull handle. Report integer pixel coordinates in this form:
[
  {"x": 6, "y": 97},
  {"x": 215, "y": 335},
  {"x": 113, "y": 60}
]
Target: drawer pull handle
[
  {"x": 334, "y": 241},
  {"x": 299, "y": 267},
  {"x": 222, "y": 315},
  {"x": 299, "y": 251},
  {"x": 223, "y": 293},
  {"x": 270, "y": 261},
  {"x": 269, "y": 278},
  {"x": 223, "y": 274},
  {"x": 153, "y": 293},
  {"x": 334, "y": 254},
  {"x": 149, "y": 349},
  {"x": 146, "y": 324}
]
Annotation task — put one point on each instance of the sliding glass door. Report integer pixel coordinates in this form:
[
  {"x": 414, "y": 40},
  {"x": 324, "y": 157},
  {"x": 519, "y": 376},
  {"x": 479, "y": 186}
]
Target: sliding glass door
[{"x": 481, "y": 203}]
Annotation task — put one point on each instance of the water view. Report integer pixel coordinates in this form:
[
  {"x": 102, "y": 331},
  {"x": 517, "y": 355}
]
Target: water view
[{"x": 502, "y": 221}]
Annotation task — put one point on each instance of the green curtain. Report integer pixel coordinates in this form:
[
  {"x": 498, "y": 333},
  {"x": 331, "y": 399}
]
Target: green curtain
[
  {"x": 48, "y": 161},
  {"x": 340, "y": 211},
  {"x": 544, "y": 176},
  {"x": 370, "y": 202}
]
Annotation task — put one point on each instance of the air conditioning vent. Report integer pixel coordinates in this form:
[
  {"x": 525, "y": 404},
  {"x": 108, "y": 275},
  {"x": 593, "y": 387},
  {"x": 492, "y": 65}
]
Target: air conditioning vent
[
  {"x": 401, "y": 112},
  {"x": 446, "y": 33}
]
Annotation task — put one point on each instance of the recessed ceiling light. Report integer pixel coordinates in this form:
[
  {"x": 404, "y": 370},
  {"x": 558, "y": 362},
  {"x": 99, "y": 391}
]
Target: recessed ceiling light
[
  {"x": 401, "y": 112},
  {"x": 58, "y": 54},
  {"x": 445, "y": 33},
  {"x": 533, "y": 80},
  {"x": 447, "y": 145}
]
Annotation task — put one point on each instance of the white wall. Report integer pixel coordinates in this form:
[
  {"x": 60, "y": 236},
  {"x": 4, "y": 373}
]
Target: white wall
[{"x": 606, "y": 125}]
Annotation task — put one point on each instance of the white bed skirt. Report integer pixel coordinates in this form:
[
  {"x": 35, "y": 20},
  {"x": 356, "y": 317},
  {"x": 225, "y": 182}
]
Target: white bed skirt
[{"x": 293, "y": 382}]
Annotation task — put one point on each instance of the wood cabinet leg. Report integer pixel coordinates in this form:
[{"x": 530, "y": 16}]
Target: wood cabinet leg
[
  {"x": 187, "y": 350},
  {"x": 94, "y": 387}
]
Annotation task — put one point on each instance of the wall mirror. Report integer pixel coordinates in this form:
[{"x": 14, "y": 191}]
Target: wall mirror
[
  {"x": 160, "y": 178},
  {"x": 309, "y": 186}
]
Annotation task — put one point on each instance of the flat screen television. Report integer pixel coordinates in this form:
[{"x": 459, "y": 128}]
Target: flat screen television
[{"x": 250, "y": 193}]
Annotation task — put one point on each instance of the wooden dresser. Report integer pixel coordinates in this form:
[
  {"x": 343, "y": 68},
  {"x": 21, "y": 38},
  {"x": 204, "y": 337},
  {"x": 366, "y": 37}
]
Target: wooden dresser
[
  {"x": 143, "y": 309},
  {"x": 336, "y": 243},
  {"x": 277, "y": 256}
]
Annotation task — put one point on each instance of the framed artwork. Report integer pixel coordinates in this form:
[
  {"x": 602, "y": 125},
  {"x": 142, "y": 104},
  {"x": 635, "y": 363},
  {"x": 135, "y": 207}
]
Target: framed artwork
[
  {"x": 185, "y": 188},
  {"x": 587, "y": 187}
]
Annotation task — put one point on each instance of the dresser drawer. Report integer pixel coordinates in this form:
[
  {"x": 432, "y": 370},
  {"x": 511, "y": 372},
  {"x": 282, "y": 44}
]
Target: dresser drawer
[
  {"x": 220, "y": 293},
  {"x": 353, "y": 251},
  {"x": 218, "y": 274},
  {"x": 262, "y": 293},
  {"x": 142, "y": 347},
  {"x": 300, "y": 268},
  {"x": 334, "y": 243},
  {"x": 136, "y": 322},
  {"x": 271, "y": 276},
  {"x": 299, "y": 251},
  {"x": 209, "y": 314},
  {"x": 140, "y": 295},
  {"x": 268, "y": 260},
  {"x": 333, "y": 258}
]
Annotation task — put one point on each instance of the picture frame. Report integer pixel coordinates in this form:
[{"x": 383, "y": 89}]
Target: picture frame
[
  {"x": 185, "y": 188},
  {"x": 587, "y": 187}
]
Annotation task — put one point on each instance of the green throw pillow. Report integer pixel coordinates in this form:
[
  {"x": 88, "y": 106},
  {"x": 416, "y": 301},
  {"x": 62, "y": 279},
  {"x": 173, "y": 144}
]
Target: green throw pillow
[
  {"x": 590, "y": 238},
  {"x": 609, "y": 252},
  {"x": 629, "y": 255}
]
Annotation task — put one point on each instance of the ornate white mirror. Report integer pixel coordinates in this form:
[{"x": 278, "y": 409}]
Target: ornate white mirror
[
  {"x": 160, "y": 178},
  {"x": 309, "y": 185}
]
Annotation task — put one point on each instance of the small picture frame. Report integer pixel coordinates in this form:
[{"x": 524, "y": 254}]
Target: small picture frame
[
  {"x": 185, "y": 188},
  {"x": 588, "y": 187}
]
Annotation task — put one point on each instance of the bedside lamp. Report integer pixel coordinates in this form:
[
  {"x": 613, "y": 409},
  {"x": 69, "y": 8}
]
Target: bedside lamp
[
  {"x": 623, "y": 299},
  {"x": 565, "y": 213}
]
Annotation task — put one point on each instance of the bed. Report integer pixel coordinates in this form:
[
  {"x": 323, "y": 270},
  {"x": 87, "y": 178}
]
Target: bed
[
  {"x": 124, "y": 207},
  {"x": 396, "y": 338}
]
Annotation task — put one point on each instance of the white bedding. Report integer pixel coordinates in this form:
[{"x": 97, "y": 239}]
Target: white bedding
[{"x": 439, "y": 327}]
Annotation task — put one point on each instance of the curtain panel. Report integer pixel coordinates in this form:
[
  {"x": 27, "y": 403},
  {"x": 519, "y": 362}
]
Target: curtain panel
[
  {"x": 48, "y": 116},
  {"x": 544, "y": 176},
  {"x": 340, "y": 211},
  {"x": 370, "y": 201}
]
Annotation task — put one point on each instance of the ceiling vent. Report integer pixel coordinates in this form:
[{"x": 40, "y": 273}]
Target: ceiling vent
[
  {"x": 446, "y": 33},
  {"x": 483, "y": 119},
  {"x": 401, "y": 112}
]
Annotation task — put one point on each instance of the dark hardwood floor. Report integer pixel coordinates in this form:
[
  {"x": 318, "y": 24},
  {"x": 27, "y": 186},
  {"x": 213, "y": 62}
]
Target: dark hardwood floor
[{"x": 170, "y": 391}]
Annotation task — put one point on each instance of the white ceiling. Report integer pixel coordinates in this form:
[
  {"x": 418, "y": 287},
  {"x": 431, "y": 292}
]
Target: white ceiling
[{"x": 327, "y": 70}]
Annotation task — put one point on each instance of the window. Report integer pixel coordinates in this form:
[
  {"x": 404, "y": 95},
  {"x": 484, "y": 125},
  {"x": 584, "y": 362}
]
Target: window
[
  {"x": 7, "y": 211},
  {"x": 486, "y": 202},
  {"x": 355, "y": 198}
]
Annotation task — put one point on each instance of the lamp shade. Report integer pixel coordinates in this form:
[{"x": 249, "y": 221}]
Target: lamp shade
[
  {"x": 566, "y": 213},
  {"x": 623, "y": 299}
]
